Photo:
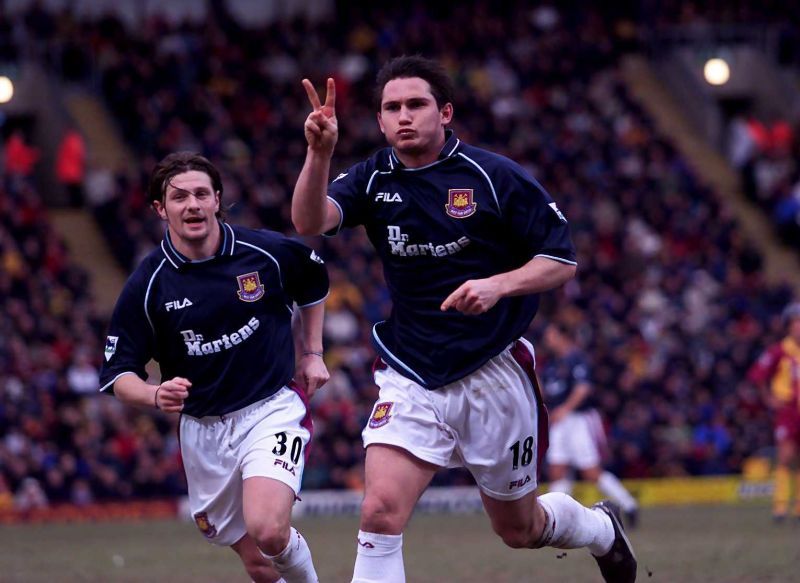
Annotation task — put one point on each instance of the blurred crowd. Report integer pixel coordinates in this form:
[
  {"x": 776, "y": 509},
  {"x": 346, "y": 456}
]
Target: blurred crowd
[
  {"x": 669, "y": 300},
  {"x": 60, "y": 441}
]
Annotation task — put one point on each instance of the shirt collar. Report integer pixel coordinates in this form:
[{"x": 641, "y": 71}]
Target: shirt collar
[
  {"x": 178, "y": 259},
  {"x": 450, "y": 149}
]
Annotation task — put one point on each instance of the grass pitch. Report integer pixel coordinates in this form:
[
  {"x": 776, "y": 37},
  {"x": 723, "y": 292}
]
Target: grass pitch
[{"x": 674, "y": 544}]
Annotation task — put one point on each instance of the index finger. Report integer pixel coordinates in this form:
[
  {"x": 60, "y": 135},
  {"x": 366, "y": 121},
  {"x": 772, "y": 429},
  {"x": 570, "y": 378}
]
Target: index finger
[
  {"x": 330, "y": 97},
  {"x": 450, "y": 300},
  {"x": 312, "y": 94}
]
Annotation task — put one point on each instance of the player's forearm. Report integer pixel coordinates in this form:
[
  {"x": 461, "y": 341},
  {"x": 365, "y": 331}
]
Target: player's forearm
[
  {"x": 538, "y": 275},
  {"x": 132, "y": 390},
  {"x": 309, "y": 201},
  {"x": 576, "y": 399},
  {"x": 307, "y": 328}
]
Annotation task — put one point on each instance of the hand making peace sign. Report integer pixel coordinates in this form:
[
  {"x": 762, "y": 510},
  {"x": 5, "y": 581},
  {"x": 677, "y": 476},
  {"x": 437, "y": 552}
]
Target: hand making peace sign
[{"x": 321, "y": 127}]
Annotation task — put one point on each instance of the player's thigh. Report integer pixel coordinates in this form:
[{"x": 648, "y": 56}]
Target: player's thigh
[
  {"x": 274, "y": 442},
  {"x": 501, "y": 426},
  {"x": 394, "y": 481},
  {"x": 213, "y": 480},
  {"x": 406, "y": 417}
]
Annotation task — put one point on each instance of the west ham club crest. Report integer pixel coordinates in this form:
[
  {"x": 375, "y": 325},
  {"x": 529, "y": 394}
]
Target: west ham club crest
[
  {"x": 250, "y": 287},
  {"x": 208, "y": 529},
  {"x": 459, "y": 203},
  {"x": 380, "y": 416}
]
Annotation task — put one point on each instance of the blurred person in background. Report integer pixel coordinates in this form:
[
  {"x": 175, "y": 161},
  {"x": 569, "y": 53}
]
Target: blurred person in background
[
  {"x": 71, "y": 166},
  {"x": 577, "y": 436},
  {"x": 214, "y": 306},
  {"x": 777, "y": 373},
  {"x": 468, "y": 240}
]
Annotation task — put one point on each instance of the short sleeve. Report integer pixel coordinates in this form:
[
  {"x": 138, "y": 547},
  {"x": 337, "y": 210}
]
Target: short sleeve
[
  {"x": 348, "y": 191},
  {"x": 129, "y": 344},
  {"x": 533, "y": 216},
  {"x": 305, "y": 278}
]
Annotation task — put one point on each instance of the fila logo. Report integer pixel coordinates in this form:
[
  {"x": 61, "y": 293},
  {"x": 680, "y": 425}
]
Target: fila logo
[
  {"x": 285, "y": 465},
  {"x": 388, "y": 197},
  {"x": 178, "y": 304},
  {"x": 518, "y": 483}
]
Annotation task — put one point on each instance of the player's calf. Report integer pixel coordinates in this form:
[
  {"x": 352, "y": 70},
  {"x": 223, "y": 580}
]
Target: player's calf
[{"x": 258, "y": 567}]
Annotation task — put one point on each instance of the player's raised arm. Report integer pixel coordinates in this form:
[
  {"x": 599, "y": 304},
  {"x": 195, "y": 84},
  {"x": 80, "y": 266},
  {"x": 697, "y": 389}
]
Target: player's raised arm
[{"x": 312, "y": 213}]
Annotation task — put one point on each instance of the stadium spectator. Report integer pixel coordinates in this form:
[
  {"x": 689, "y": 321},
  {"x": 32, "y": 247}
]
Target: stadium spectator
[
  {"x": 20, "y": 158},
  {"x": 71, "y": 166}
]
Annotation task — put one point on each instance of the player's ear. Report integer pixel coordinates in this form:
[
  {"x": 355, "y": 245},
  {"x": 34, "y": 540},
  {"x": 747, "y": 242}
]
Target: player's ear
[
  {"x": 380, "y": 123},
  {"x": 159, "y": 208},
  {"x": 447, "y": 113},
  {"x": 216, "y": 196}
]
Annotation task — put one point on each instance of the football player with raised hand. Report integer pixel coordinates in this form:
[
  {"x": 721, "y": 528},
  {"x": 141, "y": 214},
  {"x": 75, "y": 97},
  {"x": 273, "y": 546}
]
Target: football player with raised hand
[{"x": 468, "y": 240}]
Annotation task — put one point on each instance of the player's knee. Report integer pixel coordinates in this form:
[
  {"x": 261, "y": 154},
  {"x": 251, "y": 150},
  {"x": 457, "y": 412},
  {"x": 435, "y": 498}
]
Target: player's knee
[
  {"x": 270, "y": 538},
  {"x": 379, "y": 514}
]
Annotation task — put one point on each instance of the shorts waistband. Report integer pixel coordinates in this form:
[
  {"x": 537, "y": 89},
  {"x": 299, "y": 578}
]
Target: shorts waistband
[{"x": 238, "y": 413}]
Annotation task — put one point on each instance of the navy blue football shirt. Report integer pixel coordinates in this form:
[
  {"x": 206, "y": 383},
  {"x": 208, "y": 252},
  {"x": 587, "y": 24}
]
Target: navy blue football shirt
[
  {"x": 560, "y": 376},
  {"x": 470, "y": 214},
  {"x": 224, "y": 322}
]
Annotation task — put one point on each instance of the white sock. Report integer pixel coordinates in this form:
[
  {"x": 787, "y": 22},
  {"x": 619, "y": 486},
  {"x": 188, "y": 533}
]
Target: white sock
[
  {"x": 294, "y": 562},
  {"x": 610, "y": 485},
  {"x": 379, "y": 558},
  {"x": 564, "y": 486},
  {"x": 571, "y": 526}
]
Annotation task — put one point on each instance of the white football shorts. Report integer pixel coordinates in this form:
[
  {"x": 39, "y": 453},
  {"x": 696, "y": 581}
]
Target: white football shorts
[
  {"x": 267, "y": 438},
  {"x": 492, "y": 422},
  {"x": 578, "y": 440}
]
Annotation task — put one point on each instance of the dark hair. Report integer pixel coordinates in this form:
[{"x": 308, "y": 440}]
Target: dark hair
[
  {"x": 416, "y": 66},
  {"x": 178, "y": 163}
]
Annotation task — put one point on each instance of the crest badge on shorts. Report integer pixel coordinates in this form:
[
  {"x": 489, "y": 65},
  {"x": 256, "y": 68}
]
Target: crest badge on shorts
[
  {"x": 208, "y": 529},
  {"x": 460, "y": 203},
  {"x": 250, "y": 287},
  {"x": 380, "y": 415}
]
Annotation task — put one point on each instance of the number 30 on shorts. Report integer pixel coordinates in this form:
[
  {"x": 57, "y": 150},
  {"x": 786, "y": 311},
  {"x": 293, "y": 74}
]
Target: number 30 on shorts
[
  {"x": 527, "y": 453},
  {"x": 280, "y": 449}
]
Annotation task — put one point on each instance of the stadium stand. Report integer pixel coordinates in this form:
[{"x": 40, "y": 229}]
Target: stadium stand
[{"x": 670, "y": 300}]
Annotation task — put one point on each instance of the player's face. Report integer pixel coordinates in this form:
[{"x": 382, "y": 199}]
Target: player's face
[
  {"x": 190, "y": 205},
  {"x": 411, "y": 121}
]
